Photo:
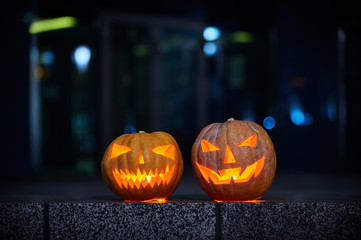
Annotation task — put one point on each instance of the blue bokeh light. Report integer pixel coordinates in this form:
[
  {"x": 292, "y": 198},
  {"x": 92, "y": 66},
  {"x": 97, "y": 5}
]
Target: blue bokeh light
[
  {"x": 331, "y": 110},
  {"x": 47, "y": 58},
  {"x": 82, "y": 56},
  {"x": 297, "y": 117},
  {"x": 210, "y": 48},
  {"x": 211, "y": 33},
  {"x": 269, "y": 122},
  {"x": 129, "y": 128}
]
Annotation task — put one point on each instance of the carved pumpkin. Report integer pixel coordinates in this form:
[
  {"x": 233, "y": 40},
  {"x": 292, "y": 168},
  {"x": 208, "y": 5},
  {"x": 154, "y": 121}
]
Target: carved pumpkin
[
  {"x": 143, "y": 166},
  {"x": 234, "y": 161}
]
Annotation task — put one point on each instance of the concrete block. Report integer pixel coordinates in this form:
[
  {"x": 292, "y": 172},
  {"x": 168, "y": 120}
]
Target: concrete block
[
  {"x": 121, "y": 220},
  {"x": 290, "y": 220},
  {"x": 21, "y": 220}
]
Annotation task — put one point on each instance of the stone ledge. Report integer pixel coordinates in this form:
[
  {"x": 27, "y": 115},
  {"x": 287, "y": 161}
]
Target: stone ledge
[
  {"x": 180, "y": 220},
  {"x": 276, "y": 220},
  {"x": 21, "y": 220},
  {"x": 120, "y": 220}
]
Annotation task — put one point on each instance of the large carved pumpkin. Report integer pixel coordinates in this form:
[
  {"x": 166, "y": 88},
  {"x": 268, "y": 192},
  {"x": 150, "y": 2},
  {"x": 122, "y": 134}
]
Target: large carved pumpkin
[
  {"x": 234, "y": 161},
  {"x": 143, "y": 166}
]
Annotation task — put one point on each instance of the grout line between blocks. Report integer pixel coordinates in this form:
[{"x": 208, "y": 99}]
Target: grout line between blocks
[
  {"x": 218, "y": 221},
  {"x": 46, "y": 221}
]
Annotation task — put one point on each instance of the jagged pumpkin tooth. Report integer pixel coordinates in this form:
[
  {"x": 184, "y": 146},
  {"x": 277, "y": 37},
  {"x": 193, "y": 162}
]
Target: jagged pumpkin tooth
[
  {"x": 131, "y": 183},
  {"x": 145, "y": 182},
  {"x": 137, "y": 183},
  {"x": 152, "y": 181},
  {"x": 159, "y": 180}
]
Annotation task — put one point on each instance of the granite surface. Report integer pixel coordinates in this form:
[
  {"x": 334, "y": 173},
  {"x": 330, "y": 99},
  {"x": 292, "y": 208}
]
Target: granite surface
[
  {"x": 121, "y": 220},
  {"x": 21, "y": 221},
  {"x": 179, "y": 219},
  {"x": 290, "y": 220},
  {"x": 300, "y": 206}
]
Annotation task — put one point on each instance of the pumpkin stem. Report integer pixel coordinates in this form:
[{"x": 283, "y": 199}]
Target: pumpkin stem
[
  {"x": 231, "y": 119},
  {"x": 141, "y": 132}
]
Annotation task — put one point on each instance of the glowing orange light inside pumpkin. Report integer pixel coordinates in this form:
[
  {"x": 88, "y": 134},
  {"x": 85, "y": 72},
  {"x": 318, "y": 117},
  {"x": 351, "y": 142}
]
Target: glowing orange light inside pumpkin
[
  {"x": 140, "y": 159},
  {"x": 129, "y": 179},
  {"x": 118, "y": 150},
  {"x": 166, "y": 150},
  {"x": 225, "y": 176},
  {"x": 229, "y": 156},
  {"x": 208, "y": 147},
  {"x": 138, "y": 179},
  {"x": 249, "y": 142}
]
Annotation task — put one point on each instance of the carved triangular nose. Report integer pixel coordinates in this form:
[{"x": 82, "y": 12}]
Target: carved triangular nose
[
  {"x": 229, "y": 156},
  {"x": 140, "y": 159}
]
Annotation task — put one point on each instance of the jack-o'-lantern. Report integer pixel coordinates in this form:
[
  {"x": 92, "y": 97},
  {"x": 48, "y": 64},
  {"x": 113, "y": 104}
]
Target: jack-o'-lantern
[
  {"x": 234, "y": 161},
  {"x": 143, "y": 166}
]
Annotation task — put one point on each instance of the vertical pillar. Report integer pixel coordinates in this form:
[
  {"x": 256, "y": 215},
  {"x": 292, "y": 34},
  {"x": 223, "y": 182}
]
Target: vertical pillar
[
  {"x": 104, "y": 84},
  {"x": 155, "y": 79}
]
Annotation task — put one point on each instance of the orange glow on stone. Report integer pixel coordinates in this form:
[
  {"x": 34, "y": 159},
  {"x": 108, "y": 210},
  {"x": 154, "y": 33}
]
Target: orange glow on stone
[
  {"x": 118, "y": 150},
  {"x": 142, "y": 179},
  {"x": 166, "y": 150},
  {"x": 229, "y": 156},
  {"x": 245, "y": 201},
  {"x": 208, "y": 147},
  {"x": 226, "y": 176},
  {"x": 249, "y": 142},
  {"x": 154, "y": 200}
]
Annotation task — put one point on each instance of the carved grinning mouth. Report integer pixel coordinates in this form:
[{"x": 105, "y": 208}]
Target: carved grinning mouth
[
  {"x": 129, "y": 179},
  {"x": 225, "y": 176}
]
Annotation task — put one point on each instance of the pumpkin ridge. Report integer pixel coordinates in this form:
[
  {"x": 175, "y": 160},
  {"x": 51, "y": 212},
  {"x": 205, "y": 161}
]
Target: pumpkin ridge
[
  {"x": 127, "y": 141},
  {"x": 219, "y": 137},
  {"x": 196, "y": 149}
]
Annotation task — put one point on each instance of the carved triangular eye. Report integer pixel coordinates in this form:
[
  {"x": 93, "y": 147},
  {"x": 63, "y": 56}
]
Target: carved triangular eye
[
  {"x": 249, "y": 142},
  {"x": 118, "y": 150},
  {"x": 166, "y": 151},
  {"x": 208, "y": 147}
]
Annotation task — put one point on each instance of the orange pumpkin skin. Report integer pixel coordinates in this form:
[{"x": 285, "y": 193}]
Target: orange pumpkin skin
[
  {"x": 143, "y": 166},
  {"x": 234, "y": 161}
]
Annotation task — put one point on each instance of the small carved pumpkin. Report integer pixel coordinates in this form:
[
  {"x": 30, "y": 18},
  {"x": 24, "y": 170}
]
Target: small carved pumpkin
[
  {"x": 234, "y": 161},
  {"x": 143, "y": 166}
]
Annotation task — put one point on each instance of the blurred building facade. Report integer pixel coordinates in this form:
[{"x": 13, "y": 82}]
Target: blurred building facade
[{"x": 292, "y": 70}]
